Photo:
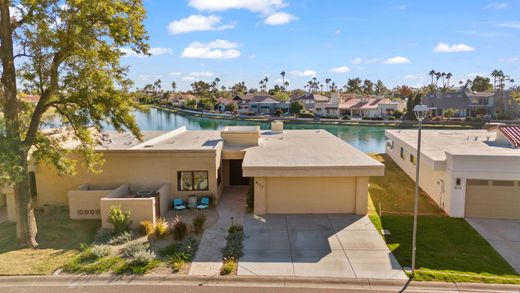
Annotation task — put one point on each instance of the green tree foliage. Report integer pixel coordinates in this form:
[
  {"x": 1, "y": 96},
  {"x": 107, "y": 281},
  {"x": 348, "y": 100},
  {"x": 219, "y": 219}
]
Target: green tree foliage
[
  {"x": 380, "y": 88},
  {"x": 296, "y": 107},
  {"x": 202, "y": 89},
  {"x": 281, "y": 96},
  {"x": 413, "y": 100},
  {"x": 231, "y": 107},
  {"x": 481, "y": 84},
  {"x": 68, "y": 53},
  {"x": 354, "y": 85},
  {"x": 368, "y": 87},
  {"x": 239, "y": 88}
]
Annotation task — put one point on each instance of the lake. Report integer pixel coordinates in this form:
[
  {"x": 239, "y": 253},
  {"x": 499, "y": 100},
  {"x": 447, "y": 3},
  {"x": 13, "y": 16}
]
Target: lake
[{"x": 369, "y": 139}]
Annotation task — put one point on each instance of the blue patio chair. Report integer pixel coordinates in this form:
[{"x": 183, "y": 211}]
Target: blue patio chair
[
  {"x": 178, "y": 204},
  {"x": 203, "y": 204}
]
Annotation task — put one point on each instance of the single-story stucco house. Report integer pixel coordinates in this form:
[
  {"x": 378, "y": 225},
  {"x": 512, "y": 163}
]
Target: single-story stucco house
[
  {"x": 294, "y": 171},
  {"x": 468, "y": 173}
]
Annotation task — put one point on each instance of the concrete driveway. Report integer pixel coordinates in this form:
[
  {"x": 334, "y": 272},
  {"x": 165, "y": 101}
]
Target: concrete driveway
[
  {"x": 503, "y": 235},
  {"x": 316, "y": 246}
]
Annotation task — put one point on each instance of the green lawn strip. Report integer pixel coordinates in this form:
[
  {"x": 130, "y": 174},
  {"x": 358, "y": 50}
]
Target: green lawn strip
[
  {"x": 448, "y": 249},
  {"x": 233, "y": 250},
  {"x": 131, "y": 268},
  {"x": 58, "y": 238}
]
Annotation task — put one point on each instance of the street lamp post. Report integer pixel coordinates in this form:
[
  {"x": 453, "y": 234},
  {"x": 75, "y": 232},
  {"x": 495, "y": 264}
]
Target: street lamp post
[{"x": 420, "y": 112}]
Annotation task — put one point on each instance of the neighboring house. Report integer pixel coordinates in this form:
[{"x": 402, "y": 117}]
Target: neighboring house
[
  {"x": 325, "y": 106},
  {"x": 466, "y": 103},
  {"x": 307, "y": 100},
  {"x": 288, "y": 174},
  {"x": 468, "y": 173},
  {"x": 33, "y": 99},
  {"x": 371, "y": 107},
  {"x": 180, "y": 99},
  {"x": 222, "y": 104},
  {"x": 242, "y": 102},
  {"x": 263, "y": 105}
]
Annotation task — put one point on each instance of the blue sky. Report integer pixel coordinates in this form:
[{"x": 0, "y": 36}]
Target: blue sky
[{"x": 395, "y": 41}]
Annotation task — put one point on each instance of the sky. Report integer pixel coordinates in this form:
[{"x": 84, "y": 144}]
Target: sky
[{"x": 397, "y": 42}]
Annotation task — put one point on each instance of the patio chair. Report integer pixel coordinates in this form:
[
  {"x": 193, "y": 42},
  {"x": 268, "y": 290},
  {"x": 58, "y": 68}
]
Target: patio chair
[
  {"x": 203, "y": 204},
  {"x": 178, "y": 204}
]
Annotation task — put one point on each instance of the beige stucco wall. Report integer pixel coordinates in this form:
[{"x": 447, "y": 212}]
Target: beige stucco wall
[
  {"x": 11, "y": 205},
  {"x": 136, "y": 168},
  {"x": 84, "y": 203},
  {"x": 433, "y": 182},
  {"x": 141, "y": 209},
  {"x": 311, "y": 195}
]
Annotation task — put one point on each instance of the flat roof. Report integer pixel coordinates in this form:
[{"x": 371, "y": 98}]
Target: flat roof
[
  {"x": 307, "y": 153},
  {"x": 436, "y": 143}
]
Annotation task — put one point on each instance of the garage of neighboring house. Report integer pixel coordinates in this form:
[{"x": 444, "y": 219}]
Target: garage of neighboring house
[{"x": 492, "y": 199}]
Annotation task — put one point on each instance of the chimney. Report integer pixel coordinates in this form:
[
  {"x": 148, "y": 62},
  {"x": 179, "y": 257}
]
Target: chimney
[
  {"x": 334, "y": 97},
  {"x": 277, "y": 126}
]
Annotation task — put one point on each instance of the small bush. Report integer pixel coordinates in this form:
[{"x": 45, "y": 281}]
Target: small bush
[
  {"x": 234, "y": 245},
  {"x": 121, "y": 238},
  {"x": 228, "y": 267},
  {"x": 132, "y": 249},
  {"x": 103, "y": 236},
  {"x": 179, "y": 253},
  {"x": 306, "y": 115},
  {"x": 137, "y": 269},
  {"x": 101, "y": 250},
  {"x": 179, "y": 229},
  {"x": 198, "y": 223},
  {"x": 161, "y": 227},
  {"x": 391, "y": 118},
  {"x": 143, "y": 257},
  {"x": 346, "y": 117},
  {"x": 147, "y": 227},
  {"x": 119, "y": 219}
]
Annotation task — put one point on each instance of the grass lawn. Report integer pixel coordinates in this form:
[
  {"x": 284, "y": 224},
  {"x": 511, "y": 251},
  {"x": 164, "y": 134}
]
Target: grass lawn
[
  {"x": 448, "y": 249},
  {"x": 59, "y": 237}
]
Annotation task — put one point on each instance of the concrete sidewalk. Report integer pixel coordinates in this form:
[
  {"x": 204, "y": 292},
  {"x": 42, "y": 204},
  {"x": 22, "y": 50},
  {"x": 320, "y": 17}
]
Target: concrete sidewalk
[
  {"x": 172, "y": 283},
  {"x": 208, "y": 259}
]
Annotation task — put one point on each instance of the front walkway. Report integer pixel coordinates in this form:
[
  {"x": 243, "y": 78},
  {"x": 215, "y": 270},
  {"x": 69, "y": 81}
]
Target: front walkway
[
  {"x": 503, "y": 235},
  {"x": 208, "y": 259},
  {"x": 344, "y": 246}
]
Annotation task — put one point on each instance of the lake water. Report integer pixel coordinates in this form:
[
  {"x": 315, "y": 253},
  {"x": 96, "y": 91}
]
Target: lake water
[{"x": 366, "y": 138}]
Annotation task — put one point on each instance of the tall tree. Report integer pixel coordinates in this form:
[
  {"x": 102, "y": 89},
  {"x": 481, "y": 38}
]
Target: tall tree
[
  {"x": 283, "y": 77},
  {"x": 327, "y": 81},
  {"x": 68, "y": 53},
  {"x": 481, "y": 84},
  {"x": 174, "y": 86},
  {"x": 448, "y": 78},
  {"x": 432, "y": 74},
  {"x": 368, "y": 87},
  {"x": 380, "y": 88},
  {"x": 354, "y": 85}
]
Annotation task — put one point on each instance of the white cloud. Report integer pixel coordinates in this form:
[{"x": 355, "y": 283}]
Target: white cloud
[
  {"x": 261, "y": 6},
  {"x": 218, "y": 49},
  {"x": 510, "y": 60},
  {"x": 153, "y": 51},
  {"x": 201, "y": 73},
  {"x": 360, "y": 60},
  {"x": 175, "y": 73},
  {"x": 415, "y": 76},
  {"x": 397, "y": 60},
  {"x": 252, "y": 56},
  {"x": 279, "y": 18},
  {"x": 497, "y": 6},
  {"x": 198, "y": 23},
  {"x": 337, "y": 32},
  {"x": 305, "y": 73},
  {"x": 400, "y": 7},
  {"x": 341, "y": 69},
  {"x": 280, "y": 80},
  {"x": 188, "y": 78},
  {"x": 510, "y": 24},
  {"x": 455, "y": 48}
]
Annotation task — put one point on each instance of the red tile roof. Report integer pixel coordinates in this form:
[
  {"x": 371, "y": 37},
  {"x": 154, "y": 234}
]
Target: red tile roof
[{"x": 512, "y": 133}]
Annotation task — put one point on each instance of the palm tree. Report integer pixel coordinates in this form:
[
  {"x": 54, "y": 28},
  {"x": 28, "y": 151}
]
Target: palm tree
[
  {"x": 437, "y": 77},
  {"x": 443, "y": 79},
  {"x": 432, "y": 73},
  {"x": 448, "y": 77},
  {"x": 321, "y": 86},
  {"x": 174, "y": 86},
  {"x": 327, "y": 81},
  {"x": 261, "y": 84},
  {"x": 283, "y": 77},
  {"x": 333, "y": 86},
  {"x": 286, "y": 85},
  {"x": 495, "y": 75}
]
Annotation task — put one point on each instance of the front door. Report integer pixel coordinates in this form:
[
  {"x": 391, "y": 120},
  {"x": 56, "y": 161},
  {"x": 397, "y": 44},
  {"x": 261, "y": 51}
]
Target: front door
[{"x": 235, "y": 173}]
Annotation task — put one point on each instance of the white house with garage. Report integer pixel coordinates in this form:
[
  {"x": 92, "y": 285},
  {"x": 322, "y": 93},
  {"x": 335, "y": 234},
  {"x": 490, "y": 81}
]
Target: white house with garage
[{"x": 468, "y": 173}]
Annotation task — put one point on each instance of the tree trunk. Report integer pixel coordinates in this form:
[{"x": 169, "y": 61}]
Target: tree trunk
[{"x": 26, "y": 223}]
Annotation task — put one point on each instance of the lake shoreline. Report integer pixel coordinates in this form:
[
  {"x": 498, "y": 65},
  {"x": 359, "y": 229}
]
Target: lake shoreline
[{"x": 331, "y": 122}]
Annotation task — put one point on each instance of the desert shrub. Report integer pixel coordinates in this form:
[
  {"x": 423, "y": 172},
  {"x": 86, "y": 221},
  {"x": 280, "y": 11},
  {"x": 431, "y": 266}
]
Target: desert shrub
[
  {"x": 101, "y": 250},
  {"x": 234, "y": 245},
  {"x": 250, "y": 199},
  {"x": 179, "y": 229},
  {"x": 346, "y": 117},
  {"x": 161, "y": 227},
  {"x": 132, "y": 249},
  {"x": 102, "y": 236},
  {"x": 391, "y": 118},
  {"x": 147, "y": 227},
  {"x": 198, "y": 223},
  {"x": 180, "y": 252},
  {"x": 228, "y": 267},
  {"x": 397, "y": 114},
  {"x": 119, "y": 219},
  {"x": 143, "y": 257},
  {"x": 120, "y": 238}
]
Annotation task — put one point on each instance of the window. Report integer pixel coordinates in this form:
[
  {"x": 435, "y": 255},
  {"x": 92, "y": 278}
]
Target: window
[
  {"x": 192, "y": 180},
  {"x": 402, "y": 153},
  {"x": 458, "y": 181},
  {"x": 503, "y": 183},
  {"x": 477, "y": 182},
  {"x": 412, "y": 159}
]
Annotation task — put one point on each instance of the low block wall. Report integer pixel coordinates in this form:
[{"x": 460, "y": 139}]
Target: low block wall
[
  {"x": 141, "y": 209},
  {"x": 84, "y": 203}
]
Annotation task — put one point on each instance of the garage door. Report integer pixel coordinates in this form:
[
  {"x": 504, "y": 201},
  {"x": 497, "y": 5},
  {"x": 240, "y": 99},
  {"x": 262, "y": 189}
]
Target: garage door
[
  {"x": 311, "y": 195},
  {"x": 492, "y": 199}
]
